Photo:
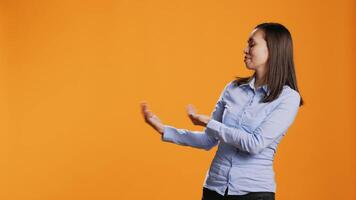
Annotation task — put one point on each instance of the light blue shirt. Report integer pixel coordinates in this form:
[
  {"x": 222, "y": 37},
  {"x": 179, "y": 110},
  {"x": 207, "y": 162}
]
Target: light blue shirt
[{"x": 247, "y": 133}]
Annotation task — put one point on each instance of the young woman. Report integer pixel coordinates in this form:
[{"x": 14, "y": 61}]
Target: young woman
[{"x": 250, "y": 118}]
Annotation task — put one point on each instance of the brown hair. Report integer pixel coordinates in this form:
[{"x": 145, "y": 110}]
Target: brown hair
[{"x": 280, "y": 62}]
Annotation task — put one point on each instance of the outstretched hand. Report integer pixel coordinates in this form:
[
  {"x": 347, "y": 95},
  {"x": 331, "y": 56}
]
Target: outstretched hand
[
  {"x": 151, "y": 118},
  {"x": 197, "y": 119},
  {"x": 155, "y": 122}
]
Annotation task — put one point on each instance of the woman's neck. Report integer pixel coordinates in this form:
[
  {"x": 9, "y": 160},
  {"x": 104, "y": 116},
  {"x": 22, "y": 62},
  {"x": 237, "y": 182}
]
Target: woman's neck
[{"x": 259, "y": 80}]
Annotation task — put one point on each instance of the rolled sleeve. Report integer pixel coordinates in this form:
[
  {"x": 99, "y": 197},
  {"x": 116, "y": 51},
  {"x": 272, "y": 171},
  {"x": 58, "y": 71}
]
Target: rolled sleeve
[
  {"x": 185, "y": 137},
  {"x": 213, "y": 128},
  {"x": 167, "y": 135}
]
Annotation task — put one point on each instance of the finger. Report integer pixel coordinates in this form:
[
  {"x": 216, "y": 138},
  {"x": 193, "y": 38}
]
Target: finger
[
  {"x": 149, "y": 114},
  {"x": 143, "y": 106},
  {"x": 143, "y": 103},
  {"x": 190, "y": 109}
]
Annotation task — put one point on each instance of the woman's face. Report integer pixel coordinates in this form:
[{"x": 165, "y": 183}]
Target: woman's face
[{"x": 256, "y": 51}]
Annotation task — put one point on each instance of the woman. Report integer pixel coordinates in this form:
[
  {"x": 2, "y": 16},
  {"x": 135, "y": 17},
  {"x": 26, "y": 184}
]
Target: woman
[{"x": 250, "y": 118}]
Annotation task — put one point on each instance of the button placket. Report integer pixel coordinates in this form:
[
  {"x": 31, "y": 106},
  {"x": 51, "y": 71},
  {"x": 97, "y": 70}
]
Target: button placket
[
  {"x": 253, "y": 96},
  {"x": 246, "y": 107}
]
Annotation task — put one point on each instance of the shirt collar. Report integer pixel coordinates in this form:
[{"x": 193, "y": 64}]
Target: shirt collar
[{"x": 251, "y": 84}]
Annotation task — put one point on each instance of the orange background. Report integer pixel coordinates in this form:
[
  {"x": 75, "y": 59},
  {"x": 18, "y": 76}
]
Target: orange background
[{"x": 73, "y": 74}]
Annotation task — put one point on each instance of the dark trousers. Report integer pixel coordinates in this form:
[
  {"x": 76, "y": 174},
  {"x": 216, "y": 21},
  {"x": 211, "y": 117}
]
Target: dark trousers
[{"x": 212, "y": 195}]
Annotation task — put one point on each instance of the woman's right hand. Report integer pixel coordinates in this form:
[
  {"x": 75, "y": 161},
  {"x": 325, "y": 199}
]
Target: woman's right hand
[
  {"x": 151, "y": 118},
  {"x": 197, "y": 119}
]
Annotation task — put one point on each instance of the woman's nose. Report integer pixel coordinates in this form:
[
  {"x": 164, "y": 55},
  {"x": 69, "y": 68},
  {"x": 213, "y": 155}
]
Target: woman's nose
[{"x": 246, "y": 50}]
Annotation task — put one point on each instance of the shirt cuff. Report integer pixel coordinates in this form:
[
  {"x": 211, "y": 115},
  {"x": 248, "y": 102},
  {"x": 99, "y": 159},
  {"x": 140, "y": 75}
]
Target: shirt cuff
[
  {"x": 213, "y": 127},
  {"x": 167, "y": 134}
]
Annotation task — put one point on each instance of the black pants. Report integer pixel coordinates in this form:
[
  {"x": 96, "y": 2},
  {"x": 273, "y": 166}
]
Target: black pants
[{"x": 212, "y": 195}]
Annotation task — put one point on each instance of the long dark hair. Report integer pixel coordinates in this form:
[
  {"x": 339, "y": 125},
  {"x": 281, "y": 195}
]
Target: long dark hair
[{"x": 280, "y": 62}]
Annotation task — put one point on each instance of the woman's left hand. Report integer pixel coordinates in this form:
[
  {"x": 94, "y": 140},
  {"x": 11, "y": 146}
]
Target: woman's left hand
[{"x": 197, "y": 119}]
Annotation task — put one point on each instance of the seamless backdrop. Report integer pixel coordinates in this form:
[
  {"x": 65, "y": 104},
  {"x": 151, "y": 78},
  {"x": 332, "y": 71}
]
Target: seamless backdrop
[{"x": 73, "y": 72}]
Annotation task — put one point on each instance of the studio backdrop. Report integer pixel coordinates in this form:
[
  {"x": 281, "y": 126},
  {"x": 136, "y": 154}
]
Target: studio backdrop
[{"x": 73, "y": 74}]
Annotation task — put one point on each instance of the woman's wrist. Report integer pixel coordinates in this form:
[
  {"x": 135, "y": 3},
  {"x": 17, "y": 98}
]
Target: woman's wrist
[
  {"x": 161, "y": 130},
  {"x": 207, "y": 121}
]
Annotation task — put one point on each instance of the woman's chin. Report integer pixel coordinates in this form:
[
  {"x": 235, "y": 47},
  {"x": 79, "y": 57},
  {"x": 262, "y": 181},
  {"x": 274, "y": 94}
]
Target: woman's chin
[{"x": 249, "y": 66}]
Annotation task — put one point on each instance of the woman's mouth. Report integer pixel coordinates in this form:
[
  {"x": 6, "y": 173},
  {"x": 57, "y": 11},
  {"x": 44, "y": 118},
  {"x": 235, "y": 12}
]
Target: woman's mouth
[{"x": 247, "y": 59}]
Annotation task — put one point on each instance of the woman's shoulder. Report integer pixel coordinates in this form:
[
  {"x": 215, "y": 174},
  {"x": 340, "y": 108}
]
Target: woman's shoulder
[
  {"x": 289, "y": 93},
  {"x": 228, "y": 85},
  {"x": 233, "y": 83}
]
